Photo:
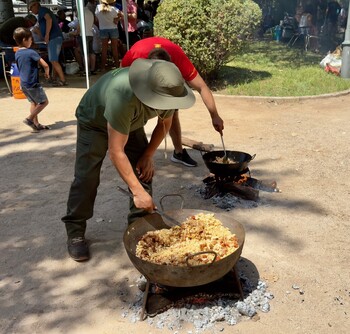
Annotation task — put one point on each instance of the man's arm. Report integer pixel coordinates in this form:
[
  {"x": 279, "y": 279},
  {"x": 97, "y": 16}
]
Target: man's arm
[
  {"x": 201, "y": 87},
  {"x": 116, "y": 144},
  {"x": 48, "y": 21},
  {"x": 158, "y": 134},
  {"x": 46, "y": 67}
]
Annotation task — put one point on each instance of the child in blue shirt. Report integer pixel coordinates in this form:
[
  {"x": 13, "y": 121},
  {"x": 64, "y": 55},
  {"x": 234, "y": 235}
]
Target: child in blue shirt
[{"x": 27, "y": 61}]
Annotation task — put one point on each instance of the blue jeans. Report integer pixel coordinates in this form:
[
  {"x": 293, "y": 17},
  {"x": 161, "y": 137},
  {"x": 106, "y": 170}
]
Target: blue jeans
[{"x": 54, "y": 48}]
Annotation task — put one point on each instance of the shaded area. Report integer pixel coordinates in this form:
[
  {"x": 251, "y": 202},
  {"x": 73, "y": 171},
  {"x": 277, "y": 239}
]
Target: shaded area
[{"x": 237, "y": 75}]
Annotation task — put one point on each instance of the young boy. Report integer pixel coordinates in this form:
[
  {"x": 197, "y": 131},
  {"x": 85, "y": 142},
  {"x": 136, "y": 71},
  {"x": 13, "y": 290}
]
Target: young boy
[{"x": 27, "y": 61}]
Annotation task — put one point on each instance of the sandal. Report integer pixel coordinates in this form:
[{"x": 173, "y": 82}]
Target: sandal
[
  {"x": 59, "y": 83},
  {"x": 31, "y": 124},
  {"x": 42, "y": 127}
]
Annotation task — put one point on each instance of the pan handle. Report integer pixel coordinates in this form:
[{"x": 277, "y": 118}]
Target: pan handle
[
  {"x": 253, "y": 156},
  {"x": 191, "y": 256},
  {"x": 171, "y": 195}
]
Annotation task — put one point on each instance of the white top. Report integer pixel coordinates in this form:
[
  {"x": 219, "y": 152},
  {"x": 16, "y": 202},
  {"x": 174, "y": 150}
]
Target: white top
[
  {"x": 89, "y": 21},
  {"x": 105, "y": 19}
]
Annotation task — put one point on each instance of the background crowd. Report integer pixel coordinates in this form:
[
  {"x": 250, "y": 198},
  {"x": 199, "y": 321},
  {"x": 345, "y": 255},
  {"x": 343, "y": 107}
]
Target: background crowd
[
  {"x": 104, "y": 28},
  {"x": 324, "y": 20}
]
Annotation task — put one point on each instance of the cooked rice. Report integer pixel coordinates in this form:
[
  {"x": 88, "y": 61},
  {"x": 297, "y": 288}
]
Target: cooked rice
[
  {"x": 199, "y": 233},
  {"x": 220, "y": 160}
]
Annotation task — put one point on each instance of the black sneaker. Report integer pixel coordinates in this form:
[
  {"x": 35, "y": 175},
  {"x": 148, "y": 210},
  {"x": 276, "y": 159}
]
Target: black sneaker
[
  {"x": 78, "y": 249},
  {"x": 183, "y": 158}
]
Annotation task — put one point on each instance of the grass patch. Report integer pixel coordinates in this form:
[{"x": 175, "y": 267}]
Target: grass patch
[{"x": 268, "y": 68}]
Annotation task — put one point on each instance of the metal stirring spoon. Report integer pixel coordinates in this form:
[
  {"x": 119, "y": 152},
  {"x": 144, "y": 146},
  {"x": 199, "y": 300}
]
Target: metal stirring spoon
[{"x": 224, "y": 160}]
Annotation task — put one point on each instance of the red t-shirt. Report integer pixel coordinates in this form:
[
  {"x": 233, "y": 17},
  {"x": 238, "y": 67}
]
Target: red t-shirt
[{"x": 142, "y": 48}]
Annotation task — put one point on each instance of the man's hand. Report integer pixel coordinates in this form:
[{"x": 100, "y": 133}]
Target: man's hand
[
  {"x": 144, "y": 201},
  {"x": 145, "y": 168},
  {"x": 218, "y": 123}
]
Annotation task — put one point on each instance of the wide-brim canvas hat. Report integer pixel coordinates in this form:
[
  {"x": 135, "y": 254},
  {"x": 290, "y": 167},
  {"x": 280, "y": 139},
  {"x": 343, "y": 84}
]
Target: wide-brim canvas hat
[{"x": 160, "y": 85}]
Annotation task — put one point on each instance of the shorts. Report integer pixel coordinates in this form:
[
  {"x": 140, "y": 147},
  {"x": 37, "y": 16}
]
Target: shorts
[
  {"x": 54, "y": 48},
  {"x": 90, "y": 49},
  {"x": 109, "y": 33},
  {"x": 35, "y": 94}
]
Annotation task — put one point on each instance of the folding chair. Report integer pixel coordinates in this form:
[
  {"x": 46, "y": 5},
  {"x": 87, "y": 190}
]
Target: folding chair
[
  {"x": 2, "y": 53},
  {"x": 303, "y": 32}
]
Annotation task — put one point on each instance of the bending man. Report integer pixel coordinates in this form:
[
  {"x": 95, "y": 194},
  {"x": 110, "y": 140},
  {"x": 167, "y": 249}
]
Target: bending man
[{"x": 111, "y": 116}]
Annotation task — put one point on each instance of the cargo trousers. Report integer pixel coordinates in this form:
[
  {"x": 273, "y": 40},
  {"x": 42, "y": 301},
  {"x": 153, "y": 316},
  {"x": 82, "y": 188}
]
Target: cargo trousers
[{"x": 91, "y": 149}]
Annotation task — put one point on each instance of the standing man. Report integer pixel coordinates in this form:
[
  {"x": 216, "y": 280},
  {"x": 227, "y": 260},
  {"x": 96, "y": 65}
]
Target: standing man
[
  {"x": 142, "y": 49},
  {"x": 52, "y": 36},
  {"x": 111, "y": 116}
]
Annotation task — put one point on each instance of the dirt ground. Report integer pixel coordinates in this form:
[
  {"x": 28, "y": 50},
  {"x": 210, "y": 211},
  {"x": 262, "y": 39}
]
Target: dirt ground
[{"x": 297, "y": 237}]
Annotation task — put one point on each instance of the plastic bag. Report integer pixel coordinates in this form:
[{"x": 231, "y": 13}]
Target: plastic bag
[
  {"x": 72, "y": 68},
  {"x": 332, "y": 60}
]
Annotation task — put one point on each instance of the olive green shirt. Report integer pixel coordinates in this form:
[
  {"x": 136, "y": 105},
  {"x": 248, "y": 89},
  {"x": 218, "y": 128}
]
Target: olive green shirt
[{"x": 112, "y": 100}]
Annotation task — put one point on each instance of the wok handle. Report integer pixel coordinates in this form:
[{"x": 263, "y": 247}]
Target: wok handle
[
  {"x": 253, "y": 156},
  {"x": 191, "y": 256}
]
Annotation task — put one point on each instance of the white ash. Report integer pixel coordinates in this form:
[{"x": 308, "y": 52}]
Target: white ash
[
  {"x": 209, "y": 316},
  {"x": 226, "y": 201},
  {"x": 229, "y": 201}
]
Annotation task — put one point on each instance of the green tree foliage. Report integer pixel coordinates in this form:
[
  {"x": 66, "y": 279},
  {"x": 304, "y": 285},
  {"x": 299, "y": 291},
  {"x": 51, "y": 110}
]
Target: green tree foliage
[{"x": 209, "y": 31}]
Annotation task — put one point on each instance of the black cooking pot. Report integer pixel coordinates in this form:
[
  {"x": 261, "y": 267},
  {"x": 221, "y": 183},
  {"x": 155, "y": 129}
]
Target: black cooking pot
[{"x": 241, "y": 161}]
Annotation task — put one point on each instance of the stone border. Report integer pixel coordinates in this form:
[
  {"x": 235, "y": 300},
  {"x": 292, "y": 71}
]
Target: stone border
[{"x": 287, "y": 98}]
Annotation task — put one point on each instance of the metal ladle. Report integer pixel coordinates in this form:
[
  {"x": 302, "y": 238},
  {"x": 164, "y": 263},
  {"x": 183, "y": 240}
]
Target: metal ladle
[{"x": 224, "y": 160}]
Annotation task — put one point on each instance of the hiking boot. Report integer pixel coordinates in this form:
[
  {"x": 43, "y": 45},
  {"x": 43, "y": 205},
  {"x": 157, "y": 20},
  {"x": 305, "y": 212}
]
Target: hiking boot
[
  {"x": 78, "y": 249},
  {"x": 183, "y": 158}
]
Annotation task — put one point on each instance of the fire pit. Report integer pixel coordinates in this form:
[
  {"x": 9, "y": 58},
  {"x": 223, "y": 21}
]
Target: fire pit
[
  {"x": 234, "y": 178},
  {"x": 175, "y": 276},
  {"x": 160, "y": 299}
]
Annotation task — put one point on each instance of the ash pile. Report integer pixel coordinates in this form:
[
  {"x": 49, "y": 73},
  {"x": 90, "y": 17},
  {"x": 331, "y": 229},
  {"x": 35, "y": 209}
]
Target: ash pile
[
  {"x": 226, "y": 201},
  {"x": 210, "y": 315}
]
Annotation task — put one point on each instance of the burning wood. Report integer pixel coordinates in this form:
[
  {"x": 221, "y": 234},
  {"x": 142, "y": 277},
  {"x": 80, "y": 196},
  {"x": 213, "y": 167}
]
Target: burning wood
[
  {"x": 242, "y": 186},
  {"x": 197, "y": 145}
]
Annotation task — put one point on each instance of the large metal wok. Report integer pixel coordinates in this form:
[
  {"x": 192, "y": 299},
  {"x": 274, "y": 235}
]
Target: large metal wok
[
  {"x": 177, "y": 276},
  {"x": 241, "y": 159}
]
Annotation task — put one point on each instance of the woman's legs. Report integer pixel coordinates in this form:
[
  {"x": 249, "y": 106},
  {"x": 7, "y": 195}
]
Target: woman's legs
[
  {"x": 104, "y": 53},
  {"x": 115, "y": 51}
]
